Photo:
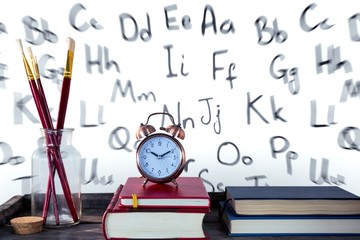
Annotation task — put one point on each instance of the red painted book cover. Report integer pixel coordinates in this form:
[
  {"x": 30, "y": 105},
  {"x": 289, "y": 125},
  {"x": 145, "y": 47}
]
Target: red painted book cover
[{"x": 190, "y": 193}]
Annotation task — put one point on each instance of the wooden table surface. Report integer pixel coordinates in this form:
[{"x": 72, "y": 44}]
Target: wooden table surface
[{"x": 90, "y": 227}]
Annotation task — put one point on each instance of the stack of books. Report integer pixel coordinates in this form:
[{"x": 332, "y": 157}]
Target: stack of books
[
  {"x": 285, "y": 210},
  {"x": 157, "y": 211}
]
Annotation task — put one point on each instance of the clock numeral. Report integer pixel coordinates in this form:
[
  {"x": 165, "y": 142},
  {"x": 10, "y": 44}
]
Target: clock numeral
[
  {"x": 152, "y": 169},
  {"x": 148, "y": 150},
  {"x": 175, "y": 157},
  {"x": 146, "y": 164},
  {"x": 167, "y": 170},
  {"x": 159, "y": 143},
  {"x": 159, "y": 172},
  {"x": 143, "y": 156}
]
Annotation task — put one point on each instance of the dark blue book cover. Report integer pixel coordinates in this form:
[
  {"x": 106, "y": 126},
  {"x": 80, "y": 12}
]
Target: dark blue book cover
[
  {"x": 292, "y": 200},
  {"x": 287, "y": 225},
  {"x": 289, "y": 192}
]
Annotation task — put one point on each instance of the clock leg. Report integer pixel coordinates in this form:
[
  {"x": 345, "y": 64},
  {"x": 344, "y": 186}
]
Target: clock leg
[
  {"x": 175, "y": 183},
  {"x": 144, "y": 182}
]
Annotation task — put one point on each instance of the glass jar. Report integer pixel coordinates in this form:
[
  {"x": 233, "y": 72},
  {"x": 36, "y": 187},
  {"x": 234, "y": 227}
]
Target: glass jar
[{"x": 56, "y": 168}]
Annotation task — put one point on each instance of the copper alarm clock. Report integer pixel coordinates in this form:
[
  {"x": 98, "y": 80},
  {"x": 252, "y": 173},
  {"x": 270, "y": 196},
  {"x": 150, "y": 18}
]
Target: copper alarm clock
[{"x": 160, "y": 157}]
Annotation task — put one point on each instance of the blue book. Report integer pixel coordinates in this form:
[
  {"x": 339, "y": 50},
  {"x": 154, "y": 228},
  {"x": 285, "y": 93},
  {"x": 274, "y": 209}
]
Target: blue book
[
  {"x": 287, "y": 225},
  {"x": 292, "y": 200}
]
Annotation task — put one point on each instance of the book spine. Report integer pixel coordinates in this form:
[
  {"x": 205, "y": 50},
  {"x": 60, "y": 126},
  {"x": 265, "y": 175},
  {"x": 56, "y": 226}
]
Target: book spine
[
  {"x": 110, "y": 208},
  {"x": 114, "y": 199}
]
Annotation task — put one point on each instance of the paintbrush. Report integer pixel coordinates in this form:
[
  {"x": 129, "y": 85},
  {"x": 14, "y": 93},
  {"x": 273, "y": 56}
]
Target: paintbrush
[
  {"x": 65, "y": 89},
  {"x": 43, "y": 113},
  {"x": 51, "y": 185}
]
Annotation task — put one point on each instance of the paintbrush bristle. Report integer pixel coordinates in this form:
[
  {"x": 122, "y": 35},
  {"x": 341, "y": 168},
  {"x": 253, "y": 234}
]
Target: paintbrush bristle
[
  {"x": 20, "y": 45},
  {"x": 71, "y": 44},
  {"x": 30, "y": 52}
]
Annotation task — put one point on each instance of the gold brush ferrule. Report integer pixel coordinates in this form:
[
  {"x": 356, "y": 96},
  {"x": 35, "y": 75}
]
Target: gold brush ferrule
[
  {"x": 34, "y": 64},
  {"x": 35, "y": 67},
  {"x": 69, "y": 64},
  {"x": 28, "y": 71}
]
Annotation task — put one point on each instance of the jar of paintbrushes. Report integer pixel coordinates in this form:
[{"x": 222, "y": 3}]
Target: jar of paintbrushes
[{"x": 48, "y": 198}]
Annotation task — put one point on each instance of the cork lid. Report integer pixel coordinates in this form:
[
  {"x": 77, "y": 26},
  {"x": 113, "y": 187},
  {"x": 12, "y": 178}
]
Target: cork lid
[{"x": 27, "y": 225}]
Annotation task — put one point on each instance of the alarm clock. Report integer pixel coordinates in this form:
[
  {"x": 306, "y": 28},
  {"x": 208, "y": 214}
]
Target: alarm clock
[{"x": 160, "y": 157}]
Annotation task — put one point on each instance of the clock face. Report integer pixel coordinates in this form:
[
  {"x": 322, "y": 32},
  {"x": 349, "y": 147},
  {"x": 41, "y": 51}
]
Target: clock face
[{"x": 160, "y": 158}]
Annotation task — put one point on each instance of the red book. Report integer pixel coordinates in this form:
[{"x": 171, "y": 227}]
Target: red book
[
  {"x": 156, "y": 223},
  {"x": 190, "y": 193}
]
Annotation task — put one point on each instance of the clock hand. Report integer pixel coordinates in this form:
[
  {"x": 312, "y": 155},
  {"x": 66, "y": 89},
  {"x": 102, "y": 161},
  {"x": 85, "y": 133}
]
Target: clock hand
[
  {"x": 165, "y": 154},
  {"x": 158, "y": 156}
]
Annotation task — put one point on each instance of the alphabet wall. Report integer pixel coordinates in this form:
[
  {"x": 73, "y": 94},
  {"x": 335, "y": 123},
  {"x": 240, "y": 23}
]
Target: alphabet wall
[{"x": 266, "y": 91}]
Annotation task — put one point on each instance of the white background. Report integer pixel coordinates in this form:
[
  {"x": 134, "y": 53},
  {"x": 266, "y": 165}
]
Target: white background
[{"x": 144, "y": 64}]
